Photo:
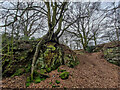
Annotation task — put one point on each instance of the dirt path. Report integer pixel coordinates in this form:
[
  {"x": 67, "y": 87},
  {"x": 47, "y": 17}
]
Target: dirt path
[{"x": 92, "y": 72}]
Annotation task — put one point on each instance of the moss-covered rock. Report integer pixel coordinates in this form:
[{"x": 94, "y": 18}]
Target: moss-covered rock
[
  {"x": 37, "y": 80},
  {"x": 112, "y": 54},
  {"x": 70, "y": 60},
  {"x": 64, "y": 75},
  {"x": 27, "y": 84},
  {"x": 57, "y": 81},
  {"x": 48, "y": 69},
  {"x": 19, "y": 56},
  {"x": 28, "y": 80},
  {"x": 50, "y": 58}
]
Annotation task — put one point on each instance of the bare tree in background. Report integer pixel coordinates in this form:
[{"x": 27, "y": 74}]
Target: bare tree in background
[
  {"x": 112, "y": 22},
  {"x": 87, "y": 28},
  {"x": 25, "y": 20}
]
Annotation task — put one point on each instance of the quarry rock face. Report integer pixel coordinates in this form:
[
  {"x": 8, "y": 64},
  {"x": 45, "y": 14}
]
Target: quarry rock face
[{"x": 52, "y": 56}]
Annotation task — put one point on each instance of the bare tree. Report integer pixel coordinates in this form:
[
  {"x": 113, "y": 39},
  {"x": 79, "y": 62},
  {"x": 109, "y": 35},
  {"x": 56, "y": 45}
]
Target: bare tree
[
  {"x": 24, "y": 20},
  {"x": 87, "y": 28},
  {"x": 112, "y": 22}
]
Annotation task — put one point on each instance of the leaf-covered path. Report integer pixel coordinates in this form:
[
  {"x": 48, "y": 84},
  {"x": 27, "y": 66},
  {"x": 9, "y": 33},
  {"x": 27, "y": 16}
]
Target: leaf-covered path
[{"x": 92, "y": 72}]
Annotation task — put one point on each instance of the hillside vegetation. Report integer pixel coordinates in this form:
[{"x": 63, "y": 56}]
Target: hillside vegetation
[{"x": 91, "y": 70}]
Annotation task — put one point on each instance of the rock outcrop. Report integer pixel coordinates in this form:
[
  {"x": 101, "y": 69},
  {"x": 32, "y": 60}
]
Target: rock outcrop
[{"x": 20, "y": 56}]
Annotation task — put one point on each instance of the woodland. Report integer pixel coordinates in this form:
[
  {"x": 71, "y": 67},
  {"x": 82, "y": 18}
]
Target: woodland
[{"x": 60, "y": 44}]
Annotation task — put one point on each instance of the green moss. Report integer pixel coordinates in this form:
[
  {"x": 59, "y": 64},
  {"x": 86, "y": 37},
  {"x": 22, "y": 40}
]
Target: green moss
[
  {"x": 18, "y": 72},
  {"x": 28, "y": 68},
  {"x": 46, "y": 54},
  {"x": 105, "y": 53},
  {"x": 51, "y": 47},
  {"x": 28, "y": 80},
  {"x": 64, "y": 75},
  {"x": 27, "y": 84},
  {"x": 50, "y": 82},
  {"x": 22, "y": 58},
  {"x": 64, "y": 88},
  {"x": 72, "y": 64},
  {"x": 48, "y": 69},
  {"x": 42, "y": 71},
  {"x": 42, "y": 79},
  {"x": 58, "y": 69},
  {"x": 55, "y": 65},
  {"x": 57, "y": 81},
  {"x": 53, "y": 86},
  {"x": 71, "y": 61},
  {"x": 67, "y": 58},
  {"x": 37, "y": 80},
  {"x": 113, "y": 62},
  {"x": 110, "y": 50},
  {"x": 51, "y": 58},
  {"x": 62, "y": 70},
  {"x": 40, "y": 63}
]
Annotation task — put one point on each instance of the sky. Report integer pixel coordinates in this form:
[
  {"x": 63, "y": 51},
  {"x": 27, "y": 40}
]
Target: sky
[{"x": 63, "y": 0}]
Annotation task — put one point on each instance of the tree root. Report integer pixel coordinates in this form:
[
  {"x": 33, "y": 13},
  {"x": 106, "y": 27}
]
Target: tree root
[{"x": 38, "y": 47}]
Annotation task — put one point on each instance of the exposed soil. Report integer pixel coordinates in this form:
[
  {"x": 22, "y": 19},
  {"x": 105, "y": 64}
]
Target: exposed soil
[{"x": 92, "y": 72}]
